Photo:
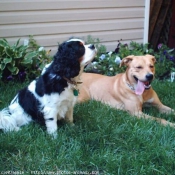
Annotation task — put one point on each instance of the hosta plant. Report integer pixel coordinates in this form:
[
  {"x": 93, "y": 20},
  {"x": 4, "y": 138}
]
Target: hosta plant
[{"x": 20, "y": 61}]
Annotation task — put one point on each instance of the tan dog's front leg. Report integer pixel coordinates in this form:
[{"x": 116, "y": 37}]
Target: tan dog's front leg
[
  {"x": 163, "y": 122},
  {"x": 135, "y": 111},
  {"x": 162, "y": 108},
  {"x": 166, "y": 109}
]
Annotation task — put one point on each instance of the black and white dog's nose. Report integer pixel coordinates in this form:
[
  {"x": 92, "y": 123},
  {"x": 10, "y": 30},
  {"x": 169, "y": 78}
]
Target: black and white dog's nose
[
  {"x": 92, "y": 47},
  {"x": 149, "y": 76}
]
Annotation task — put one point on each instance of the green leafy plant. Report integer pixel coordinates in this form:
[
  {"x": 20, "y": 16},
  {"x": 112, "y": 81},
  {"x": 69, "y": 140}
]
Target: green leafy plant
[
  {"x": 102, "y": 63},
  {"x": 123, "y": 50},
  {"x": 10, "y": 57},
  {"x": 40, "y": 57},
  {"x": 108, "y": 63},
  {"x": 165, "y": 61},
  {"x": 21, "y": 61}
]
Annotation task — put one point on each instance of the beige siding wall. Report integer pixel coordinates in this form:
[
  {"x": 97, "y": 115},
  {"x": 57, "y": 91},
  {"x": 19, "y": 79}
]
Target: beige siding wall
[{"x": 53, "y": 21}]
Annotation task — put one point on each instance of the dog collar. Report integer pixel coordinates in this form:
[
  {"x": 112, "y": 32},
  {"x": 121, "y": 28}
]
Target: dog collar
[
  {"x": 130, "y": 86},
  {"x": 75, "y": 89},
  {"x": 72, "y": 82}
]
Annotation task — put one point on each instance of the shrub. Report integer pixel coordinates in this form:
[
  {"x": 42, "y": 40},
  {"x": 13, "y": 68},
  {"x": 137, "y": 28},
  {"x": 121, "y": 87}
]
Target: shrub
[
  {"x": 21, "y": 61},
  {"x": 27, "y": 61},
  {"x": 108, "y": 63},
  {"x": 165, "y": 61}
]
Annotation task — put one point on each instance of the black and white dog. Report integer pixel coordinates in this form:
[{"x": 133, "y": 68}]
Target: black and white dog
[{"x": 53, "y": 95}]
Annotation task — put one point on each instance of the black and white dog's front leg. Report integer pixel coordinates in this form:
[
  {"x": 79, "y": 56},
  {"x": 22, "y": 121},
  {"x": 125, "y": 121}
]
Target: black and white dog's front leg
[
  {"x": 69, "y": 116},
  {"x": 50, "y": 116}
]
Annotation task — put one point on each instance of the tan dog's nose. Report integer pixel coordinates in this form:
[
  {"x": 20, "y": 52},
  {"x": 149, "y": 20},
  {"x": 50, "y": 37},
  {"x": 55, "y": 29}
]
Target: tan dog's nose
[{"x": 149, "y": 76}]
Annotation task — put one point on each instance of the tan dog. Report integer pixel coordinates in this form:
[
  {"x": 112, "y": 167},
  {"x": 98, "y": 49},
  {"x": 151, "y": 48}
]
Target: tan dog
[{"x": 127, "y": 91}]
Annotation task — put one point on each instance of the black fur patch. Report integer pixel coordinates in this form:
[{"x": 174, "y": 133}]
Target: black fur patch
[
  {"x": 30, "y": 105},
  {"x": 47, "y": 85}
]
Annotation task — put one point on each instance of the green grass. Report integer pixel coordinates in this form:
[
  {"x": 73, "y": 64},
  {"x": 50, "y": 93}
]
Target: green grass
[{"x": 103, "y": 140}]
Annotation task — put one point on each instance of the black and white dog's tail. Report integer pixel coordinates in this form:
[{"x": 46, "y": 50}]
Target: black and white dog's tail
[
  {"x": 7, "y": 121},
  {"x": 14, "y": 116}
]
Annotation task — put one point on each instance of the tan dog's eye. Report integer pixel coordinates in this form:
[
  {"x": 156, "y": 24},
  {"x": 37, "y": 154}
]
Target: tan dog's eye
[
  {"x": 139, "y": 67},
  {"x": 151, "y": 66}
]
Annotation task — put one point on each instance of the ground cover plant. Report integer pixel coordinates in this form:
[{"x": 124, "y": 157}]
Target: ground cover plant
[{"x": 103, "y": 141}]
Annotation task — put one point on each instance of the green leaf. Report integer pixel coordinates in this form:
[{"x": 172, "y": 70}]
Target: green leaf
[
  {"x": 27, "y": 61},
  {"x": 18, "y": 55},
  {"x": 22, "y": 48},
  {"x": 31, "y": 55},
  {"x": 1, "y": 50},
  {"x": 4, "y": 43},
  {"x": 2, "y": 66},
  {"x": 13, "y": 70},
  {"x": 17, "y": 42},
  {"x": 7, "y": 60},
  {"x": 9, "y": 52},
  {"x": 0, "y": 74},
  {"x": 171, "y": 50}
]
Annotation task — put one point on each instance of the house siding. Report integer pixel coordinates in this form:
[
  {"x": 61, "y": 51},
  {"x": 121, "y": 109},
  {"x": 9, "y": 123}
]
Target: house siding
[{"x": 54, "y": 21}]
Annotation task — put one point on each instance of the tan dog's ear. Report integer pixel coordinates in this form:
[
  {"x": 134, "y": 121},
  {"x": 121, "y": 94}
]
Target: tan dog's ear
[
  {"x": 154, "y": 60},
  {"x": 152, "y": 57},
  {"x": 126, "y": 60}
]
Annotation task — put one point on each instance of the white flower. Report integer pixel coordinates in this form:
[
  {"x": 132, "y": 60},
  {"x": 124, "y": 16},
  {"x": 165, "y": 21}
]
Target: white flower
[
  {"x": 117, "y": 60},
  {"x": 111, "y": 69},
  {"x": 172, "y": 76},
  {"x": 41, "y": 48},
  {"x": 26, "y": 42},
  {"x": 110, "y": 53},
  {"x": 95, "y": 67},
  {"x": 102, "y": 57},
  {"x": 94, "y": 63}
]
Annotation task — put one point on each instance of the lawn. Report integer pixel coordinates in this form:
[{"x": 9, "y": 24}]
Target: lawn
[{"x": 103, "y": 141}]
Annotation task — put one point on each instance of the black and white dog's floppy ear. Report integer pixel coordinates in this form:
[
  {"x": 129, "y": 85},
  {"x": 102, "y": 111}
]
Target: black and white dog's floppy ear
[{"x": 67, "y": 59}]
